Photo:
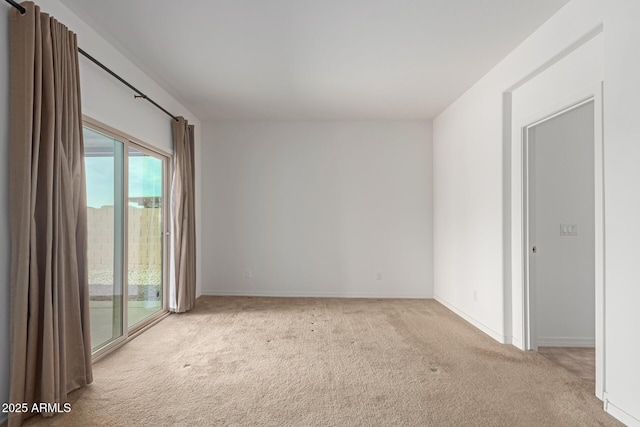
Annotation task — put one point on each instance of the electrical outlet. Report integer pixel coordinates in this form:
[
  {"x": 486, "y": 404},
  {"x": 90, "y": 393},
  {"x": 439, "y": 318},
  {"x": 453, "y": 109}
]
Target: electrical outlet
[
  {"x": 379, "y": 276},
  {"x": 475, "y": 295},
  {"x": 247, "y": 274}
]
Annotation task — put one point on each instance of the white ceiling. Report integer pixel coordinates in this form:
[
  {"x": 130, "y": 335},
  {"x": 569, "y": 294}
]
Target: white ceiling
[{"x": 304, "y": 59}]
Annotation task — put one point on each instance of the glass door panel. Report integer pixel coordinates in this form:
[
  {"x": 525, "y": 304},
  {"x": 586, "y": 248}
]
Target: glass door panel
[
  {"x": 126, "y": 223},
  {"x": 145, "y": 235},
  {"x": 104, "y": 166}
]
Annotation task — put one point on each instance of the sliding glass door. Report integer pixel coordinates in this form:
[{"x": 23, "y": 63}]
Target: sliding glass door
[
  {"x": 104, "y": 164},
  {"x": 127, "y": 223},
  {"x": 145, "y": 235}
]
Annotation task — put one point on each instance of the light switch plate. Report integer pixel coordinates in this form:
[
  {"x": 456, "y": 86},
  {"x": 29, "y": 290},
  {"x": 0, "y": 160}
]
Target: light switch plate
[{"x": 568, "y": 229}]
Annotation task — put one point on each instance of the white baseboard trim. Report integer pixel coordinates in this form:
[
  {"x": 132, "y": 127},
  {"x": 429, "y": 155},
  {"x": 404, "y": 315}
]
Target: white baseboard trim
[
  {"x": 296, "y": 294},
  {"x": 566, "y": 342},
  {"x": 621, "y": 415},
  {"x": 516, "y": 343},
  {"x": 484, "y": 328}
]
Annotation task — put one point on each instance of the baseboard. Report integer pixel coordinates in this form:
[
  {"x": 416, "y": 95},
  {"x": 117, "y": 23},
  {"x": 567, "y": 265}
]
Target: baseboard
[
  {"x": 621, "y": 415},
  {"x": 515, "y": 342},
  {"x": 565, "y": 342},
  {"x": 384, "y": 295},
  {"x": 484, "y": 328}
]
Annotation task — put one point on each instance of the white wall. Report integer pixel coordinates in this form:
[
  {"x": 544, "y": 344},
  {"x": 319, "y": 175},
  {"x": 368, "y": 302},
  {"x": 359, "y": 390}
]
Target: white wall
[
  {"x": 472, "y": 185},
  {"x": 562, "y": 191},
  {"x": 4, "y": 212},
  {"x": 622, "y": 207},
  {"x": 318, "y": 208},
  {"x": 471, "y": 139},
  {"x": 103, "y": 99},
  {"x": 573, "y": 77}
]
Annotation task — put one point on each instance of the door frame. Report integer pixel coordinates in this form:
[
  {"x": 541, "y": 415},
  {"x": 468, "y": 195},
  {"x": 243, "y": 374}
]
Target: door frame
[
  {"x": 593, "y": 94},
  {"x": 129, "y": 141}
]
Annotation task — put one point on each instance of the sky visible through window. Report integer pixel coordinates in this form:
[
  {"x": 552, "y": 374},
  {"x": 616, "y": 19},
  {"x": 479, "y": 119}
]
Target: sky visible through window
[{"x": 145, "y": 172}]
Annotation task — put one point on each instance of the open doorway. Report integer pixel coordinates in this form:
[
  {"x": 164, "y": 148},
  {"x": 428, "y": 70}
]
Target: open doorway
[{"x": 564, "y": 238}]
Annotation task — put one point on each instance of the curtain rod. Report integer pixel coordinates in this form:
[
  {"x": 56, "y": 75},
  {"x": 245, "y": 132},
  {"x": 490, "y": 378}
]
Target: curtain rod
[{"x": 139, "y": 94}]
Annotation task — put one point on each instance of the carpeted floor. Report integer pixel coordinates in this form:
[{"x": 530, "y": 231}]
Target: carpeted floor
[
  {"x": 580, "y": 361},
  {"x": 326, "y": 362}
]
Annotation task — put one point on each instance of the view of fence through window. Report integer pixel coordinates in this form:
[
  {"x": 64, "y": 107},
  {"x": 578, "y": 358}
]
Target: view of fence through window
[
  {"x": 103, "y": 157},
  {"x": 144, "y": 236},
  {"x": 107, "y": 171}
]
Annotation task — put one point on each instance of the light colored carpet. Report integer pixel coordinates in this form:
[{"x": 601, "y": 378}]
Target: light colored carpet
[
  {"x": 326, "y": 362},
  {"x": 580, "y": 361}
]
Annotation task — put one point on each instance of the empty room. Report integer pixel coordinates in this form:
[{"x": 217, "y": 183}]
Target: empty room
[{"x": 336, "y": 213}]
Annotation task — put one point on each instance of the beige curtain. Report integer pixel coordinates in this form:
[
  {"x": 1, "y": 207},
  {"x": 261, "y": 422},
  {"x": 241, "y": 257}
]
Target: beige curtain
[
  {"x": 50, "y": 341},
  {"x": 183, "y": 265}
]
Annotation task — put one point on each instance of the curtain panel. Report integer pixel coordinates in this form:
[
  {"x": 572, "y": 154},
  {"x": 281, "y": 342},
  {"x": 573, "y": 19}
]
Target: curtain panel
[
  {"x": 50, "y": 352},
  {"x": 183, "y": 263}
]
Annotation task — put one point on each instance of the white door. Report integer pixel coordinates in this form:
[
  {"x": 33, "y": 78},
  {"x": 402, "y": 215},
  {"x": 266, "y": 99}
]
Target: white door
[{"x": 561, "y": 199}]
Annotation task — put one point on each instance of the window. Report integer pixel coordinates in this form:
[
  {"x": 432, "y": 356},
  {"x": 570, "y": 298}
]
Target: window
[{"x": 127, "y": 215}]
